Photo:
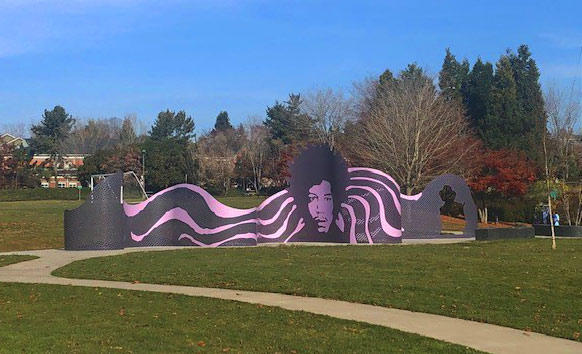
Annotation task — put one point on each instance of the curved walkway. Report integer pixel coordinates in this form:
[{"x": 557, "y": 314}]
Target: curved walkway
[{"x": 481, "y": 336}]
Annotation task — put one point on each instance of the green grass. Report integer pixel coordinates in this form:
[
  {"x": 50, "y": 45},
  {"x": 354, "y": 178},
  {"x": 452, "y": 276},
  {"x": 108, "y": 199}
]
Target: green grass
[
  {"x": 11, "y": 259},
  {"x": 521, "y": 284},
  {"x": 51, "y": 318},
  {"x": 29, "y": 225},
  {"x": 33, "y": 224}
]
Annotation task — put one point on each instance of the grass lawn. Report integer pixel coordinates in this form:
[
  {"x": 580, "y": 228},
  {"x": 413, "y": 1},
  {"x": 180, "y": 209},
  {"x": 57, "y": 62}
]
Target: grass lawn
[
  {"x": 29, "y": 225},
  {"x": 11, "y": 259},
  {"x": 51, "y": 318},
  {"x": 521, "y": 284}
]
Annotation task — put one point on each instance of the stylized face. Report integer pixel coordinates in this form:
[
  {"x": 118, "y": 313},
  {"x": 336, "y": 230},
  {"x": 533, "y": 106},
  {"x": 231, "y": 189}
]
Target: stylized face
[{"x": 321, "y": 205}]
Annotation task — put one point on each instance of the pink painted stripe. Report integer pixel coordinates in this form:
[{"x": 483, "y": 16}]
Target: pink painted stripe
[
  {"x": 183, "y": 216},
  {"x": 411, "y": 197},
  {"x": 340, "y": 222},
  {"x": 218, "y": 243},
  {"x": 396, "y": 202},
  {"x": 300, "y": 226},
  {"x": 367, "y": 212},
  {"x": 282, "y": 229},
  {"x": 378, "y": 172},
  {"x": 270, "y": 199},
  {"x": 215, "y": 206},
  {"x": 388, "y": 229},
  {"x": 353, "y": 226}
]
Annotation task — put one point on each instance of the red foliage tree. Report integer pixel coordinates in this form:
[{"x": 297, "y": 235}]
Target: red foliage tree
[{"x": 500, "y": 174}]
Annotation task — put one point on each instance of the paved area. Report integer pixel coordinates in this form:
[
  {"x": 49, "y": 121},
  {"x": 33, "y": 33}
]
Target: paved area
[{"x": 481, "y": 336}]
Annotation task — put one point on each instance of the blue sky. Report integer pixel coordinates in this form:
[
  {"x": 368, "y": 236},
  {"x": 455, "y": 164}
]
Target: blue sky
[{"x": 114, "y": 57}]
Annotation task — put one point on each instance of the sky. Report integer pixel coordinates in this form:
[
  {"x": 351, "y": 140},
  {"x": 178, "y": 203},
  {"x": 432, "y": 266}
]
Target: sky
[{"x": 110, "y": 58}]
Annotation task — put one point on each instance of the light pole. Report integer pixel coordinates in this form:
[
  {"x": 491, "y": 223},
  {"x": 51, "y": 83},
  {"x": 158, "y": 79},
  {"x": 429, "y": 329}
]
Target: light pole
[{"x": 143, "y": 168}]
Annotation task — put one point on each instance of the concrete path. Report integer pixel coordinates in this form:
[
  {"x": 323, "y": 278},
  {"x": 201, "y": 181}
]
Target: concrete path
[{"x": 481, "y": 336}]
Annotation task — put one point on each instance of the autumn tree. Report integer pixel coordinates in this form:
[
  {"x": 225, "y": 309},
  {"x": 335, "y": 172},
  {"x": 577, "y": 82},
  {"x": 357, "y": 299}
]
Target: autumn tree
[{"x": 500, "y": 174}]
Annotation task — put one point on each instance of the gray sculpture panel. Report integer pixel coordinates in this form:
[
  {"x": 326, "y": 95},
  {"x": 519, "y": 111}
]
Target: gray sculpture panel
[{"x": 421, "y": 216}]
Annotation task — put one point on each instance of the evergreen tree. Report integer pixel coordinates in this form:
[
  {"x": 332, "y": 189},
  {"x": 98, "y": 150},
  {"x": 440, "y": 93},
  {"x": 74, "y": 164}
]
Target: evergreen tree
[
  {"x": 531, "y": 114},
  {"x": 222, "y": 122},
  {"x": 501, "y": 128},
  {"x": 453, "y": 77},
  {"x": 169, "y": 124},
  {"x": 169, "y": 150},
  {"x": 477, "y": 93},
  {"x": 286, "y": 122},
  {"x": 50, "y": 134}
]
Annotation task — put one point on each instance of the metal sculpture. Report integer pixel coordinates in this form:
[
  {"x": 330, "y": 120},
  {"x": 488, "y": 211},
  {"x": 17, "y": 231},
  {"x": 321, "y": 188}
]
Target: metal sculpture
[
  {"x": 421, "y": 212},
  {"x": 325, "y": 202}
]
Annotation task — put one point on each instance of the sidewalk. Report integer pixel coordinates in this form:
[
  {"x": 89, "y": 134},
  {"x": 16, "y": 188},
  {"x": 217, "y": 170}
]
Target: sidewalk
[{"x": 481, "y": 336}]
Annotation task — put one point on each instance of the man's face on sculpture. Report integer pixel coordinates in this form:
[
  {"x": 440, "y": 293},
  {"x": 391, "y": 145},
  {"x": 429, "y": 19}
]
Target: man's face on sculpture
[{"x": 321, "y": 205}]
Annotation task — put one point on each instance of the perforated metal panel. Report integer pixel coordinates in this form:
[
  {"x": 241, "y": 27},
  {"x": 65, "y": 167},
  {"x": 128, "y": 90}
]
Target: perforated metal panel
[
  {"x": 99, "y": 223},
  {"x": 421, "y": 217}
]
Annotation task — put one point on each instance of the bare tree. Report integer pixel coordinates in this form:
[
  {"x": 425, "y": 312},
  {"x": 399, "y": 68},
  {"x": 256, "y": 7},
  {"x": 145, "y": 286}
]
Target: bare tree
[
  {"x": 329, "y": 111},
  {"x": 560, "y": 153},
  {"x": 19, "y": 130},
  {"x": 217, "y": 161},
  {"x": 256, "y": 148},
  {"x": 411, "y": 132}
]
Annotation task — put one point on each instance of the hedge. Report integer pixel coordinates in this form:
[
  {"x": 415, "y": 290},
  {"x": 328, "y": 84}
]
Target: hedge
[{"x": 12, "y": 195}]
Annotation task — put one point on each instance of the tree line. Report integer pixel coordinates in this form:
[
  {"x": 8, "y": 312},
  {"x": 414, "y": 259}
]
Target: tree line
[{"x": 487, "y": 122}]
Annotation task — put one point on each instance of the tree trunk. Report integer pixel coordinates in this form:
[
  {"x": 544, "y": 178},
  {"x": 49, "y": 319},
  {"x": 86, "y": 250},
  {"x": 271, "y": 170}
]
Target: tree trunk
[{"x": 483, "y": 217}]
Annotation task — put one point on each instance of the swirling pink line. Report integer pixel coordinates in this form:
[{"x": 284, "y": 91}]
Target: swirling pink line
[
  {"x": 215, "y": 206},
  {"x": 183, "y": 216},
  {"x": 394, "y": 197},
  {"x": 218, "y": 243},
  {"x": 378, "y": 172},
  {"x": 367, "y": 212},
  {"x": 282, "y": 229},
  {"x": 353, "y": 226},
  {"x": 388, "y": 229},
  {"x": 300, "y": 225}
]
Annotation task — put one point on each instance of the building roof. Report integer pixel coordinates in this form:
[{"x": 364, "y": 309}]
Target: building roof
[{"x": 13, "y": 140}]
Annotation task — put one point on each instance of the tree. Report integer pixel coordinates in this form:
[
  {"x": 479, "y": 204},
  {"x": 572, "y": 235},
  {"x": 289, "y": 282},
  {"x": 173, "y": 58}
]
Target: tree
[
  {"x": 50, "y": 134},
  {"x": 329, "y": 112},
  {"x": 412, "y": 132},
  {"x": 222, "y": 122},
  {"x": 256, "y": 149},
  {"x": 453, "y": 77},
  {"x": 94, "y": 135},
  {"x": 499, "y": 174},
  {"x": 531, "y": 116},
  {"x": 501, "y": 128},
  {"x": 127, "y": 134},
  {"x": 217, "y": 161},
  {"x": 168, "y": 150},
  {"x": 169, "y": 124},
  {"x": 563, "y": 152},
  {"x": 287, "y": 123},
  {"x": 477, "y": 95}
]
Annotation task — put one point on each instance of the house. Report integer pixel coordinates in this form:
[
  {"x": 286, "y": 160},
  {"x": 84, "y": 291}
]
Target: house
[
  {"x": 66, "y": 172},
  {"x": 15, "y": 141}
]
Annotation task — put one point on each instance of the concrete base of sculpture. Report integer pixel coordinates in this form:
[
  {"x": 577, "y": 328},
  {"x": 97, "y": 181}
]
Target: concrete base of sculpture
[
  {"x": 504, "y": 233},
  {"x": 561, "y": 231}
]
